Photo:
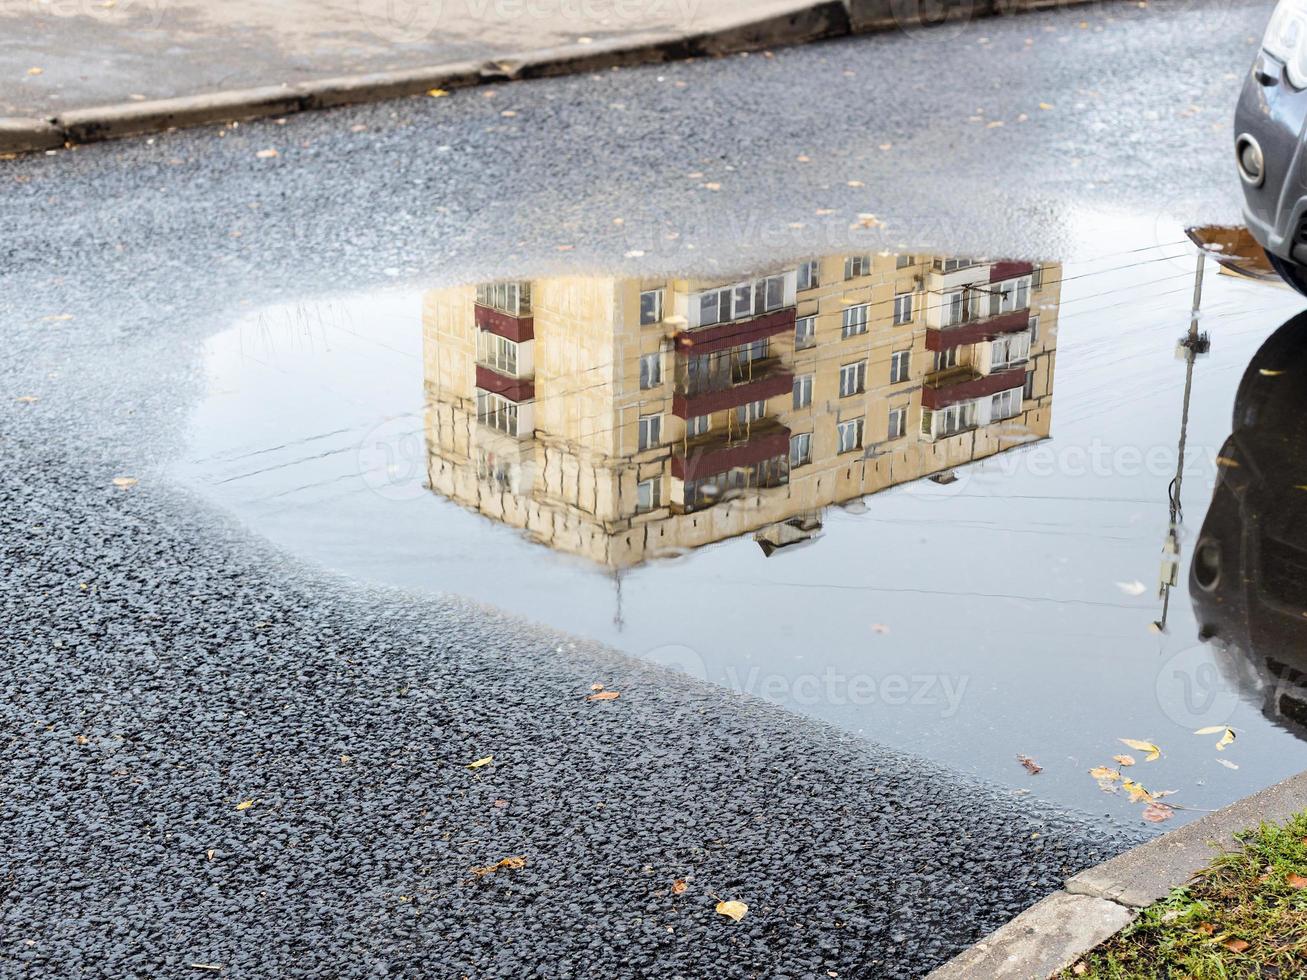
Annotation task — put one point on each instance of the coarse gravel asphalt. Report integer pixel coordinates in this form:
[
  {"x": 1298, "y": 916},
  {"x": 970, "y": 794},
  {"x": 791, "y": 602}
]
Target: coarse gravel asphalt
[{"x": 162, "y": 667}]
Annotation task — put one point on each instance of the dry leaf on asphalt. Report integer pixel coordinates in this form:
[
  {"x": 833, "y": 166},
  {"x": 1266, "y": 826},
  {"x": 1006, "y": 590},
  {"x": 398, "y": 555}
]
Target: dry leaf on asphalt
[
  {"x": 1032, "y": 767},
  {"x": 245, "y": 805},
  {"x": 604, "y": 696},
  {"x": 123, "y": 482},
  {"x": 1154, "y": 753},
  {"x": 34, "y": 71},
  {"x": 732, "y": 910},
  {"x": 27, "y": 399},
  {"x": 267, "y": 154},
  {"x": 679, "y": 886},
  {"x": 507, "y": 864},
  {"x": 1236, "y": 945},
  {"x": 596, "y": 687},
  {"x": 1125, "y": 760},
  {"x": 346, "y": 760},
  {"x": 481, "y": 762},
  {"x": 437, "y": 93}
]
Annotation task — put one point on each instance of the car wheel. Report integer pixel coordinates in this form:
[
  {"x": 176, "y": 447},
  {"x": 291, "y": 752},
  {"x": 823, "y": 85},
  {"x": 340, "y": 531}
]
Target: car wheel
[{"x": 1291, "y": 272}]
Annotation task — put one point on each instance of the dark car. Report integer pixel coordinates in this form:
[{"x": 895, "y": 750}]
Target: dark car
[
  {"x": 1270, "y": 126},
  {"x": 1248, "y": 579}
]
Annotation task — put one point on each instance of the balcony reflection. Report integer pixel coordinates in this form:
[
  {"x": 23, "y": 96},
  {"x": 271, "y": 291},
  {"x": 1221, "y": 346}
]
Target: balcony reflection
[
  {"x": 621, "y": 419},
  {"x": 1248, "y": 580}
]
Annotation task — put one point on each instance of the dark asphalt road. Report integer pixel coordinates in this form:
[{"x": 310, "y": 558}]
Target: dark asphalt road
[{"x": 160, "y": 667}]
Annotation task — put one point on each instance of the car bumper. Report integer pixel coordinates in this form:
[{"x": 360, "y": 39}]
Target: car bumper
[{"x": 1274, "y": 113}]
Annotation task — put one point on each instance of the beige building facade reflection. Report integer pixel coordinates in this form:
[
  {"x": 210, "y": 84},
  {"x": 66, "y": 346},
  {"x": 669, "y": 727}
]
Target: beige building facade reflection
[{"x": 621, "y": 419}]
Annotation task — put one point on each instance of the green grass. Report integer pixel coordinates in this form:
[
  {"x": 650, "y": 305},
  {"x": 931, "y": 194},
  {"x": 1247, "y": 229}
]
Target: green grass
[{"x": 1256, "y": 895}]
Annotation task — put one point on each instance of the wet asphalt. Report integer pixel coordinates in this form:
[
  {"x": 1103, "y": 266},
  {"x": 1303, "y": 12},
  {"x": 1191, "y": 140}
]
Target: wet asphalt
[{"x": 162, "y": 667}]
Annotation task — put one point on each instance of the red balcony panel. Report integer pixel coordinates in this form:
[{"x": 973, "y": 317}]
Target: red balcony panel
[
  {"x": 724, "y": 336},
  {"x": 713, "y": 458},
  {"x": 514, "y": 389},
  {"x": 977, "y": 330},
  {"x": 516, "y": 328},
  {"x": 967, "y": 388},
  {"x": 774, "y": 384},
  {"x": 1001, "y": 271}
]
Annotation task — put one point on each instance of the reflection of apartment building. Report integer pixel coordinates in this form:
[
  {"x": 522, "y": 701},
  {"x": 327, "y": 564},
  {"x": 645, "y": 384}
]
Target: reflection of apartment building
[{"x": 622, "y": 418}]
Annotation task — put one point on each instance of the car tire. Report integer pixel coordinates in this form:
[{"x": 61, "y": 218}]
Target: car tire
[{"x": 1291, "y": 272}]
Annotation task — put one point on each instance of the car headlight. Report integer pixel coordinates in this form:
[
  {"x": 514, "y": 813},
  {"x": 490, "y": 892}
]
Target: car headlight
[{"x": 1286, "y": 39}]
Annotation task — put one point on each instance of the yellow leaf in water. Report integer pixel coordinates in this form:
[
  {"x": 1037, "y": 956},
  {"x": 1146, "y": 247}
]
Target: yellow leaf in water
[
  {"x": 1125, "y": 760},
  {"x": 481, "y": 762},
  {"x": 1268, "y": 373},
  {"x": 1137, "y": 792},
  {"x": 1228, "y": 764},
  {"x": 733, "y": 910},
  {"x": 1154, "y": 753},
  {"x": 123, "y": 482},
  {"x": 1227, "y": 461},
  {"x": 245, "y": 805},
  {"x": 1103, "y": 772},
  {"x": 1226, "y": 739},
  {"x": 604, "y": 696},
  {"x": 1210, "y": 730},
  {"x": 1045, "y": 106},
  {"x": 34, "y": 71},
  {"x": 437, "y": 93}
]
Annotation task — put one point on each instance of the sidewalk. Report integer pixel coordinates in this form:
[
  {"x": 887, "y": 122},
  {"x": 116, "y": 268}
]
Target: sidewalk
[
  {"x": 76, "y": 70},
  {"x": 1097, "y": 903}
]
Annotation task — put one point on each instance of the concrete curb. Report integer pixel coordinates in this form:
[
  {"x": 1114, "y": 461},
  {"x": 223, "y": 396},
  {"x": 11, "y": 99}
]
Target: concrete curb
[
  {"x": 807, "y": 20},
  {"x": 1096, "y": 904}
]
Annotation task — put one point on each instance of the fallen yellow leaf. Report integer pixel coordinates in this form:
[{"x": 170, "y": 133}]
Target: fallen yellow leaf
[
  {"x": 27, "y": 399},
  {"x": 1227, "y": 461},
  {"x": 1268, "y": 373},
  {"x": 732, "y": 910},
  {"x": 1296, "y": 881},
  {"x": 481, "y": 762},
  {"x": 245, "y": 805},
  {"x": 123, "y": 482},
  {"x": 604, "y": 696},
  {"x": 1125, "y": 760},
  {"x": 508, "y": 864},
  {"x": 1103, "y": 772},
  {"x": 437, "y": 93},
  {"x": 34, "y": 71},
  {"x": 679, "y": 886},
  {"x": 1137, "y": 793},
  {"x": 267, "y": 154},
  {"x": 345, "y": 760},
  {"x": 596, "y": 687},
  {"x": 1154, "y": 753}
]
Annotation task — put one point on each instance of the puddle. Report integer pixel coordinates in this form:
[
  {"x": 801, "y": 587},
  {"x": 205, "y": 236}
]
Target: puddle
[{"x": 923, "y": 497}]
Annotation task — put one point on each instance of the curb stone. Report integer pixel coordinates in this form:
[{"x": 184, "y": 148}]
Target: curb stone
[
  {"x": 808, "y": 20},
  {"x": 1097, "y": 903}
]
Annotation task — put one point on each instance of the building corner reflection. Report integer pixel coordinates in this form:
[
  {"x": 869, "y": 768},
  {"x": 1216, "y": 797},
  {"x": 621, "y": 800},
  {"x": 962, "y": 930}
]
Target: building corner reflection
[{"x": 622, "y": 419}]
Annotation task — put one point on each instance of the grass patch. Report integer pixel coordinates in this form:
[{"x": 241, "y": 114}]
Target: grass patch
[{"x": 1245, "y": 916}]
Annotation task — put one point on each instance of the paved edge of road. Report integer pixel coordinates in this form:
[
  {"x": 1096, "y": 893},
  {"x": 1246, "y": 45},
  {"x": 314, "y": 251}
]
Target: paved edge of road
[
  {"x": 803, "y": 22},
  {"x": 1097, "y": 903}
]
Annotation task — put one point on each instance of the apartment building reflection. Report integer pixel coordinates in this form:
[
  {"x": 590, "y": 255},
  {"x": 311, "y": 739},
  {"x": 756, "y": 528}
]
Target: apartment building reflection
[{"x": 620, "y": 418}]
